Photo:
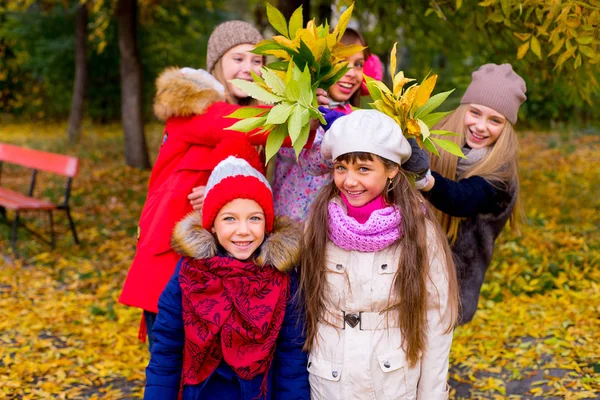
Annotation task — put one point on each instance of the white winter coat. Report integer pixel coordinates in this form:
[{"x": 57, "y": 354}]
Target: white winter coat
[{"x": 369, "y": 363}]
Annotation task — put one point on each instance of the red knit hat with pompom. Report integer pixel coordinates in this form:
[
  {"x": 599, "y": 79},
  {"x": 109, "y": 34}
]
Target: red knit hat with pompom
[{"x": 238, "y": 176}]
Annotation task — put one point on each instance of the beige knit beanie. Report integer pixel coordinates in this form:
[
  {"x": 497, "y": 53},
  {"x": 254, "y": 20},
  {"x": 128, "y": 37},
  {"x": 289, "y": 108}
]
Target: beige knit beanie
[
  {"x": 497, "y": 87},
  {"x": 227, "y": 35}
]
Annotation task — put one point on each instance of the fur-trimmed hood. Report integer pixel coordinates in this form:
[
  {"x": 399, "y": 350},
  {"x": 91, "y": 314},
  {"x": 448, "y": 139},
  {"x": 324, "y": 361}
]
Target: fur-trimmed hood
[
  {"x": 182, "y": 92},
  {"x": 281, "y": 248}
]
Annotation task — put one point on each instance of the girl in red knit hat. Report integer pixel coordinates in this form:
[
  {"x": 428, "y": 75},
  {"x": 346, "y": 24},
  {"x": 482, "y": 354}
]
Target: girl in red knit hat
[
  {"x": 186, "y": 97},
  {"x": 227, "y": 321},
  {"x": 476, "y": 196}
]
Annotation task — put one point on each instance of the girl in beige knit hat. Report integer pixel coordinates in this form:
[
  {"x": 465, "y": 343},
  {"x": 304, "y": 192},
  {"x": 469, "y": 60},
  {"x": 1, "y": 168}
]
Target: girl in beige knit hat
[{"x": 476, "y": 196}]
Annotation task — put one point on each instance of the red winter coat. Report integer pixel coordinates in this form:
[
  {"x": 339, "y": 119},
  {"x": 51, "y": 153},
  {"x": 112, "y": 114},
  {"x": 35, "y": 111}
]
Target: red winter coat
[{"x": 183, "y": 163}]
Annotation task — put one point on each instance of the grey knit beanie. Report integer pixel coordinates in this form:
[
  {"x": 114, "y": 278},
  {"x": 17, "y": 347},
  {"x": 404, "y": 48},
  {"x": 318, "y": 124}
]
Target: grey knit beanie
[
  {"x": 227, "y": 35},
  {"x": 497, "y": 87}
]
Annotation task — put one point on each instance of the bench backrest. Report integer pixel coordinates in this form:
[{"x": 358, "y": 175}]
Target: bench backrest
[{"x": 40, "y": 160}]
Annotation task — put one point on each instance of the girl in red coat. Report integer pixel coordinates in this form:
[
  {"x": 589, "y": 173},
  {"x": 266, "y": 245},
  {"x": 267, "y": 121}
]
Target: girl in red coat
[{"x": 184, "y": 97}]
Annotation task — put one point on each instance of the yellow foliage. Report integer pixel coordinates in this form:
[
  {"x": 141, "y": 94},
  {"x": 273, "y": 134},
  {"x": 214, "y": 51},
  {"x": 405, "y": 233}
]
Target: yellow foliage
[{"x": 64, "y": 335}]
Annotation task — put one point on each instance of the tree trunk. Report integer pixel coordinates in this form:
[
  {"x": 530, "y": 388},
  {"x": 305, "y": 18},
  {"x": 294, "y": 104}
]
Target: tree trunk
[
  {"x": 136, "y": 151},
  {"x": 76, "y": 115}
]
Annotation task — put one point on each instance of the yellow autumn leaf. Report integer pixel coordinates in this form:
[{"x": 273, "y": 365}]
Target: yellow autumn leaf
[
  {"x": 393, "y": 65},
  {"x": 345, "y": 51},
  {"x": 399, "y": 82},
  {"x": 536, "y": 47},
  {"x": 282, "y": 40},
  {"x": 522, "y": 50},
  {"x": 340, "y": 28},
  {"x": 413, "y": 127},
  {"x": 284, "y": 55},
  {"x": 424, "y": 91}
]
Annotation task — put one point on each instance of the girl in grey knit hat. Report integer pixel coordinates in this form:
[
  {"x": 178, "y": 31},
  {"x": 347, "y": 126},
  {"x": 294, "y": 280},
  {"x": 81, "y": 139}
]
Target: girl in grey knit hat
[
  {"x": 475, "y": 197},
  {"x": 229, "y": 57}
]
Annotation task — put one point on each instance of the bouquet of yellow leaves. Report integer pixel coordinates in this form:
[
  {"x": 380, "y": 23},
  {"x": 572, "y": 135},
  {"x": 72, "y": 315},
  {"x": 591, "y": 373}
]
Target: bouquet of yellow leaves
[
  {"x": 309, "y": 58},
  {"x": 411, "y": 107}
]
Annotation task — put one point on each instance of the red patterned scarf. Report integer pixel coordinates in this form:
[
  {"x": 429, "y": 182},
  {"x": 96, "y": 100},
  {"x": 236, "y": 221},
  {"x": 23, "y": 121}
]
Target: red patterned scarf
[{"x": 232, "y": 311}]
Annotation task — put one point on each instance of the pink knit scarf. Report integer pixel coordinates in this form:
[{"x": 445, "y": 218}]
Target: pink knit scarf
[{"x": 378, "y": 232}]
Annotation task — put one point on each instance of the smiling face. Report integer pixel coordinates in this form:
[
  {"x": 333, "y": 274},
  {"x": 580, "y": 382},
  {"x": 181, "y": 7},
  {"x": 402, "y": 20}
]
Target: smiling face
[
  {"x": 484, "y": 126},
  {"x": 343, "y": 89},
  {"x": 361, "y": 181},
  {"x": 237, "y": 64},
  {"x": 240, "y": 227}
]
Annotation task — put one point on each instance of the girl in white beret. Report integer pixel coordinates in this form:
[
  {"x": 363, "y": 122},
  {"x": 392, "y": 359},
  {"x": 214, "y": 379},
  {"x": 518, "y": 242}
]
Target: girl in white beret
[{"x": 377, "y": 273}]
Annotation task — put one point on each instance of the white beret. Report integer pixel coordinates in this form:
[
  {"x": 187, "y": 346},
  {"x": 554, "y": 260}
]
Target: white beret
[{"x": 368, "y": 131}]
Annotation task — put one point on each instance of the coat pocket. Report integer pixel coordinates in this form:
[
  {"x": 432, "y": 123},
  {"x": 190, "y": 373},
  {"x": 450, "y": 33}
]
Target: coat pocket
[
  {"x": 324, "y": 378},
  {"x": 391, "y": 377}
]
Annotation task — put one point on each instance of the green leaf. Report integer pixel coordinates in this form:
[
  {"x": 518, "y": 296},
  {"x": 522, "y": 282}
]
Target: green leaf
[
  {"x": 433, "y": 103},
  {"x": 296, "y": 21},
  {"x": 306, "y": 55},
  {"x": 274, "y": 82},
  {"x": 266, "y": 45},
  {"x": 295, "y": 123},
  {"x": 306, "y": 93},
  {"x": 584, "y": 39},
  {"x": 277, "y": 20},
  {"x": 255, "y": 91},
  {"x": 279, "y": 114},
  {"x": 256, "y": 77},
  {"x": 505, "y": 7},
  {"x": 433, "y": 118},
  {"x": 274, "y": 141},
  {"x": 449, "y": 146},
  {"x": 587, "y": 51},
  {"x": 289, "y": 74},
  {"x": 248, "y": 124},
  {"x": 247, "y": 112},
  {"x": 302, "y": 139},
  {"x": 292, "y": 91},
  {"x": 326, "y": 84},
  {"x": 439, "y": 132},
  {"x": 373, "y": 89},
  {"x": 428, "y": 144},
  {"x": 278, "y": 65}
]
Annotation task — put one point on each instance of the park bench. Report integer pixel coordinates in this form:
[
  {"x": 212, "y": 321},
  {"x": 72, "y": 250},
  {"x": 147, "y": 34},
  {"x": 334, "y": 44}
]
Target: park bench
[{"x": 18, "y": 202}]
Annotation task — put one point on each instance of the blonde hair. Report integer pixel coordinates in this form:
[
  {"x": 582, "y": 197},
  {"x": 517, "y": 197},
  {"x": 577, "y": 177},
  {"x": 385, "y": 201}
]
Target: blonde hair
[
  {"x": 230, "y": 98},
  {"x": 499, "y": 166}
]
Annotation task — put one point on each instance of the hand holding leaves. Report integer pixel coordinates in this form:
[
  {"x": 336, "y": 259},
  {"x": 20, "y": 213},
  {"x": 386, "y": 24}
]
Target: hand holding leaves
[
  {"x": 310, "y": 58},
  {"x": 412, "y": 107}
]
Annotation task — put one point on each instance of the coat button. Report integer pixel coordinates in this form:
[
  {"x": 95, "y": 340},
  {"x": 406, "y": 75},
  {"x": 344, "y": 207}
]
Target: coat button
[
  {"x": 387, "y": 364},
  {"x": 339, "y": 267},
  {"x": 309, "y": 364},
  {"x": 384, "y": 266},
  {"x": 334, "y": 374}
]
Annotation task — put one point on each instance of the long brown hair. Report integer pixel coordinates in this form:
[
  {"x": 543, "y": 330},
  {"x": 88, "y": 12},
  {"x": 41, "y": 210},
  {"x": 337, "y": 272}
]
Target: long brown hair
[
  {"x": 499, "y": 166},
  {"x": 352, "y": 36},
  {"x": 408, "y": 295}
]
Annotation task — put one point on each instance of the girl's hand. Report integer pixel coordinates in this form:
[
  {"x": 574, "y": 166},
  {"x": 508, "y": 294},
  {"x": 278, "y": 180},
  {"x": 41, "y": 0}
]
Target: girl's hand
[
  {"x": 322, "y": 98},
  {"x": 196, "y": 198}
]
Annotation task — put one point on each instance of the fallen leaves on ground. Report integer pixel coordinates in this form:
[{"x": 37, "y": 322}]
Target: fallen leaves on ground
[{"x": 64, "y": 335}]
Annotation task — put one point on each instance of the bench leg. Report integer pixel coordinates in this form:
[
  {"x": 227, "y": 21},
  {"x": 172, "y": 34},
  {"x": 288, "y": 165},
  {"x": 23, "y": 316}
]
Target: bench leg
[
  {"x": 52, "y": 242},
  {"x": 13, "y": 235},
  {"x": 3, "y": 213},
  {"x": 72, "y": 224}
]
